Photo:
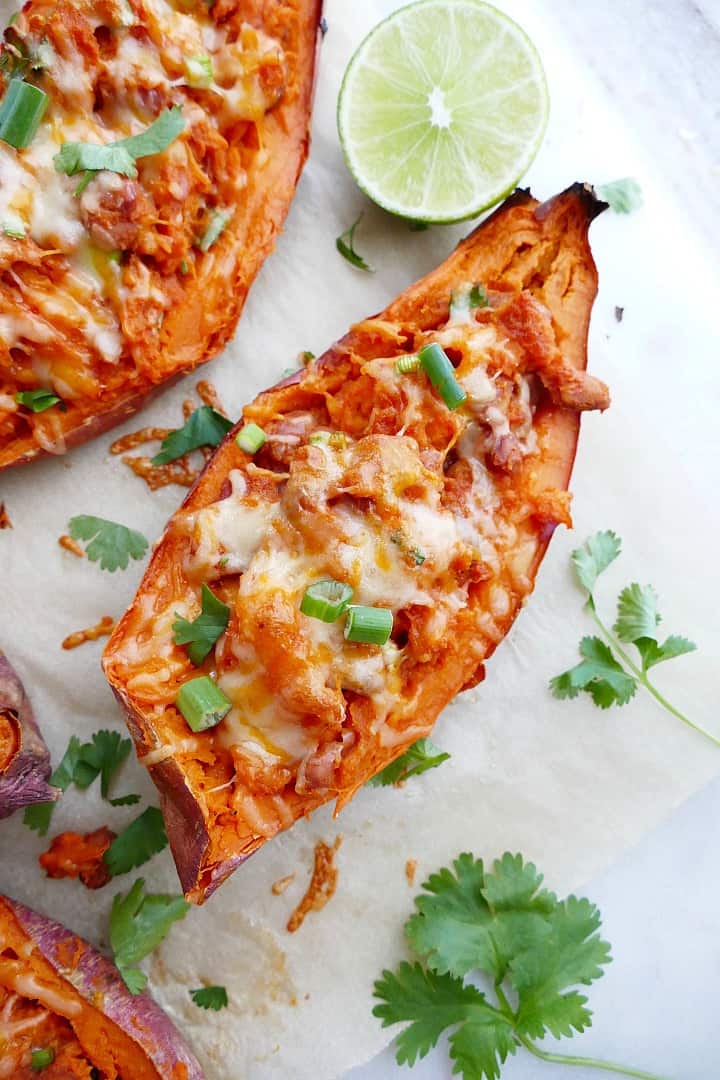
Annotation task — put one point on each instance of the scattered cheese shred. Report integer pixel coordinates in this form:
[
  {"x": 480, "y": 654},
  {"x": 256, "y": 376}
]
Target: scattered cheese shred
[
  {"x": 279, "y": 886},
  {"x": 71, "y": 545},
  {"x": 101, "y": 629},
  {"x": 322, "y": 884},
  {"x": 5, "y": 522},
  {"x": 410, "y": 868}
]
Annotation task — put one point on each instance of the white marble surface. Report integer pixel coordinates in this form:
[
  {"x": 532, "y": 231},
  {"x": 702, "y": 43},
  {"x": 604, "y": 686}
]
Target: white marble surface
[{"x": 656, "y": 1008}]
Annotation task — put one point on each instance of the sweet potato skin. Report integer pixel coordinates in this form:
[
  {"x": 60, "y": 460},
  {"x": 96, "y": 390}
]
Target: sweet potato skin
[
  {"x": 199, "y": 327},
  {"x": 23, "y": 779},
  {"x": 98, "y": 982},
  {"x": 556, "y": 230}
]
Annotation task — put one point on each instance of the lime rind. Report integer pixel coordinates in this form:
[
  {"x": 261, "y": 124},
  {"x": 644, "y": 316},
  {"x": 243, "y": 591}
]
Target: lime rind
[{"x": 434, "y": 130}]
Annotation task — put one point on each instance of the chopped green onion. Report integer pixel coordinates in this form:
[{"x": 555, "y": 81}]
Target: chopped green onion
[
  {"x": 464, "y": 301},
  {"x": 326, "y": 600},
  {"x": 40, "y": 1059},
  {"x": 405, "y": 364},
  {"x": 198, "y": 72},
  {"x": 202, "y": 703},
  {"x": 14, "y": 230},
  {"x": 37, "y": 400},
  {"x": 439, "y": 370},
  {"x": 218, "y": 223},
  {"x": 21, "y": 111},
  {"x": 306, "y": 357},
  {"x": 368, "y": 625},
  {"x": 183, "y": 267},
  {"x": 320, "y": 438},
  {"x": 250, "y": 438}
]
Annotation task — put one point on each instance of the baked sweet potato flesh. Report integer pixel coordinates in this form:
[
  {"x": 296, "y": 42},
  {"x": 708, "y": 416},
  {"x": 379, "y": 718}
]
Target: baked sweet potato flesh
[
  {"x": 24, "y": 757},
  {"x": 109, "y": 292},
  {"x": 58, "y": 994},
  {"x": 442, "y": 516}
]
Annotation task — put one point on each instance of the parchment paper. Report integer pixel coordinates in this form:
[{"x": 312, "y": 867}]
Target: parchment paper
[{"x": 564, "y": 783}]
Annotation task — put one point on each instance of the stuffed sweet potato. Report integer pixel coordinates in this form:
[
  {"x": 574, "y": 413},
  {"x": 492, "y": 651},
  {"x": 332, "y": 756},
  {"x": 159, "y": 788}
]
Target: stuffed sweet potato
[
  {"x": 66, "y": 1013},
  {"x": 427, "y": 489},
  {"x": 123, "y": 266},
  {"x": 24, "y": 757}
]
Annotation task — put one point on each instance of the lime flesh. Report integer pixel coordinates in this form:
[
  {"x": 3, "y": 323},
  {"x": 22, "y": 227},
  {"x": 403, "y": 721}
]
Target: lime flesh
[{"x": 442, "y": 109}]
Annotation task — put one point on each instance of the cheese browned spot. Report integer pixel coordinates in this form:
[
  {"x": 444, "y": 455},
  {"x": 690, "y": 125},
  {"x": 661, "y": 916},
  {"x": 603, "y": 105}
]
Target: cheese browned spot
[{"x": 322, "y": 884}]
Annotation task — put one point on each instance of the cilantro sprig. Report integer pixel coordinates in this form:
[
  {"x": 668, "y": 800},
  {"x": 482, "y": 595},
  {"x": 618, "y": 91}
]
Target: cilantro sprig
[
  {"x": 109, "y": 542},
  {"x": 210, "y": 997},
  {"x": 81, "y": 764},
  {"x": 417, "y": 759},
  {"x": 607, "y": 671},
  {"x": 201, "y": 634},
  {"x": 535, "y": 949},
  {"x": 345, "y": 243},
  {"x": 205, "y": 427},
  {"x": 139, "y": 922}
]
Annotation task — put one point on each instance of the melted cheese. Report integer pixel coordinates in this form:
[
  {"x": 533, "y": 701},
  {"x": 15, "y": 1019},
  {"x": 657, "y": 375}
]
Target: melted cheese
[{"x": 226, "y": 535}]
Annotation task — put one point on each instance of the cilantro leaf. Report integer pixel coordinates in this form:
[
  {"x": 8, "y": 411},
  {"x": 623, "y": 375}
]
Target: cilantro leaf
[
  {"x": 594, "y": 557},
  {"x": 622, "y": 196},
  {"x": 572, "y": 953},
  {"x": 120, "y": 157},
  {"x": 39, "y": 816},
  {"x": 652, "y": 652},
  {"x": 473, "y": 920},
  {"x": 210, "y": 997},
  {"x": 637, "y": 613},
  {"x": 125, "y": 800},
  {"x": 599, "y": 674},
  {"x": 205, "y": 427},
  {"x": 432, "y": 1003},
  {"x": 201, "y": 634},
  {"x": 113, "y": 544},
  {"x": 102, "y": 757},
  {"x": 139, "y": 921},
  {"x": 143, "y": 838},
  {"x": 345, "y": 243},
  {"x": 38, "y": 400},
  {"x": 482, "y": 1044},
  {"x": 417, "y": 759}
]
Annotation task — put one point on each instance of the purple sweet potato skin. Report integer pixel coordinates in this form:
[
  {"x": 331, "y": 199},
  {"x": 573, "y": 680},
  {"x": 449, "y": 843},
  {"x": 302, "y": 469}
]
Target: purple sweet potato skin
[
  {"x": 97, "y": 980},
  {"x": 25, "y": 779}
]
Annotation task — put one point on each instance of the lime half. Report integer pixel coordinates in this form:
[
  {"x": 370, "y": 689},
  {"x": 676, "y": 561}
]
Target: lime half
[{"x": 442, "y": 109}]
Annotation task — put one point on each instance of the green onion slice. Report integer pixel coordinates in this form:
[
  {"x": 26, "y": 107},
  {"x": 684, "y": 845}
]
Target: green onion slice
[
  {"x": 440, "y": 372},
  {"x": 21, "y": 111},
  {"x": 405, "y": 364},
  {"x": 326, "y": 600},
  {"x": 369, "y": 625},
  {"x": 251, "y": 438},
  {"x": 37, "y": 400},
  {"x": 202, "y": 703},
  {"x": 40, "y": 1059},
  {"x": 217, "y": 225},
  {"x": 198, "y": 71}
]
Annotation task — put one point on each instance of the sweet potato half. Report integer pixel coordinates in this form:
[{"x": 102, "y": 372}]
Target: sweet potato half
[
  {"x": 24, "y": 757},
  {"x": 367, "y": 478},
  {"x": 113, "y": 284},
  {"x": 63, "y": 1000}
]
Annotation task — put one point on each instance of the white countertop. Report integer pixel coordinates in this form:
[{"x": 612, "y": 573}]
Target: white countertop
[{"x": 656, "y": 1006}]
